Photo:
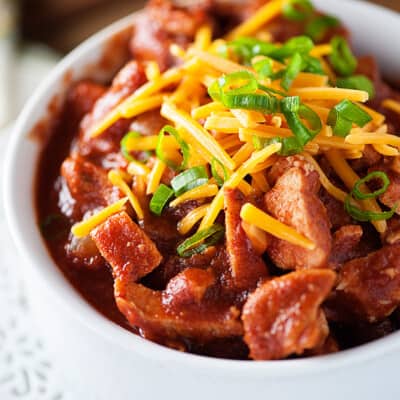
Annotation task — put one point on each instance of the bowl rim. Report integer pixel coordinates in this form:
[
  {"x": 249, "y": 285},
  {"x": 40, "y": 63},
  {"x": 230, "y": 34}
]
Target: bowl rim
[{"x": 72, "y": 302}]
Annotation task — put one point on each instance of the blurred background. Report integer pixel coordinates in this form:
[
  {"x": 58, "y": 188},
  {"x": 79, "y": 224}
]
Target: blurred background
[{"x": 34, "y": 34}]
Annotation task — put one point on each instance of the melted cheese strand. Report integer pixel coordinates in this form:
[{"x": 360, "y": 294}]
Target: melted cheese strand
[
  {"x": 155, "y": 176},
  {"x": 186, "y": 224},
  {"x": 392, "y": 105},
  {"x": 169, "y": 77},
  {"x": 116, "y": 179},
  {"x": 84, "y": 228},
  {"x": 373, "y": 138},
  {"x": 262, "y": 16},
  {"x": 334, "y": 191},
  {"x": 327, "y": 93},
  {"x": 199, "y": 136},
  {"x": 247, "y": 168},
  {"x": 197, "y": 193},
  {"x": 262, "y": 220}
]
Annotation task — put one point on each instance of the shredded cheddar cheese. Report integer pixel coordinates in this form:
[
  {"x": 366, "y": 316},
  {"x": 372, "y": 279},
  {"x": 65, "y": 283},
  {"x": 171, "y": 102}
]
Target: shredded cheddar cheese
[
  {"x": 84, "y": 228},
  {"x": 198, "y": 135},
  {"x": 265, "y": 14},
  {"x": 392, "y": 105},
  {"x": 154, "y": 178},
  {"x": 116, "y": 179},
  {"x": 186, "y": 224},
  {"x": 200, "y": 192},
  {"x": 262, "y": 220}
]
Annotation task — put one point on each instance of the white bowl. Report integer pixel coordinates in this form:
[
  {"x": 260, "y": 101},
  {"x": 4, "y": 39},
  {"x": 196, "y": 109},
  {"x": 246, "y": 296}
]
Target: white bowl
[{"x": 104, "y": 360}]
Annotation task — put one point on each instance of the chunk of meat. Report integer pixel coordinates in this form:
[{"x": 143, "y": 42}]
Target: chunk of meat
[
  {"x": 165, "y": 23},
  {"x": 370, "y": 157},
  {"x": 285, "y": 163},
  {"x": 149, "y": 123},
  {"x": 247, "y": 267},
  {"x": 369, "y": 287},
  {"x": 294, "y": 201},
  {"x": 124, "y": 84},
  {"x": 345, "y": 242},
  {"x": 88, "y": 187},
  {"x": 82, "y": 97},
  {"x": 129, "y": 251},
  {"x": 188, "y": 288},
  {"x": 283, "y": 316},
  {"x": 144, "y": 308},
  {"x": 329, "y": 346},
  {"x": 392, "y": 234},
  {"x": 337, "y": 215}
]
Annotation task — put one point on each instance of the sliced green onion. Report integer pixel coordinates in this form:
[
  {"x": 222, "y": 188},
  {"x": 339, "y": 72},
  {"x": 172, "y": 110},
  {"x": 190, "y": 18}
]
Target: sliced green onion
[
  {"x": 246, "y": 48},
  {"x": 342, "y": 58},
  {"x": 214, "y": 165},
  {"x": 361, "y": 215},
  {"x": 258, "y": 102},
  {"x": 290, "y": 145},
  {"x": 160, "y": 199},
  {"x": 358, "y": 194},
  {"x": 294, "y": 111},
  {"x": 358, "y": 82},
  {"x": 189, "y": 179},
  {"x": 271, "y": 91},
  {"x": 318, "y": 27},
  {"x": 241, "y": 82},
  {"x": 364, "y": 216},
  {"x": 297, "y": 10},
  {"x": 292, "y": 70},
  {"x": 264, "y": 68},
  {"x": 312, "y": 65},
  {"x": 200, "y": 241},
  {"x": 298, "y": 44},
  {"x": 342, "y": 117},
  {"x": 184, "y": 147},
  {"x": 124, "y": 145}
]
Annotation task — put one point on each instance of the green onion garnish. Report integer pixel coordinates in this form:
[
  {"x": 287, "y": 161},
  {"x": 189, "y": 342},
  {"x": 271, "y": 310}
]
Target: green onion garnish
[
  {"x": 264, "y": 67},
  {"x": 358, "y": 82},
  {"x": 298, "y": 44},
  {"x": 124, "y": 145},
  {"x": 189, "y": 179},
  {"x": 318, "y": 27},
  {"x": 290, "y": 145},
  {"x": 294, "y": 111},
  {"x": 364, "y": 216},
  {"x": 358, "y": 194},
  {"x": 292, "y": 70},
  {"x": 297, "y": 10},
  {"x": 160, "y": 199},
  {"x": 237, "y": 90},
  {"x": 184, "y": 147},
  {"x": 342, "y": 58},
  {"x": 200, "y": 241},
  {"x": 312, "y": 65},
  {"x": 214, "y": 166},
  {"x": 246, "y": 48},
  {"x": 342, "y": 117}
]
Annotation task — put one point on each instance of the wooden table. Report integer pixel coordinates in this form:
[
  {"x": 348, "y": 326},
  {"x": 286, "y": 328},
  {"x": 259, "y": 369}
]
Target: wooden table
[{"x": 65, "y": 23}]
